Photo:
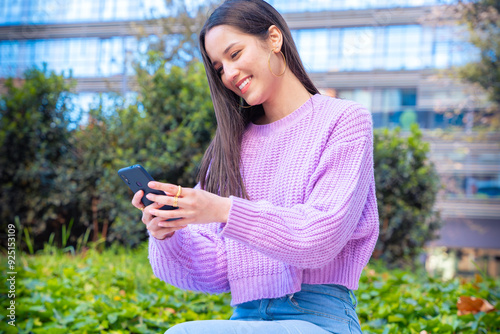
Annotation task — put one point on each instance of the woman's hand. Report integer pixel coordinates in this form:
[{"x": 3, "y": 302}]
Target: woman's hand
[
  {"x": 152, "y": 222},
  {"x": 195, "y": 206}
]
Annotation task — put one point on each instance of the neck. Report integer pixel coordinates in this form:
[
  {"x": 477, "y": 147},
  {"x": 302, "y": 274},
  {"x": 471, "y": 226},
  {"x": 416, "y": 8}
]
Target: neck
[{"x": 289, "y": 96}]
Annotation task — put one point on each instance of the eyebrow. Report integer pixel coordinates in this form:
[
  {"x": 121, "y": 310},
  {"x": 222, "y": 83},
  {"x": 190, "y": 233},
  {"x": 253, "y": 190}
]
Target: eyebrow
[{"x": 226, "y": 50}]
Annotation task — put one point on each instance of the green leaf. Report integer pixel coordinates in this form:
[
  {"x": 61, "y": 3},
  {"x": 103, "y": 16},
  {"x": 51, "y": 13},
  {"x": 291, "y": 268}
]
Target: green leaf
[{"x": 396, "y": 318}]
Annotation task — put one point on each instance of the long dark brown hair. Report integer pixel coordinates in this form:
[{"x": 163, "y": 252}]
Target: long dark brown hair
[{"x": 220, "y": 167}]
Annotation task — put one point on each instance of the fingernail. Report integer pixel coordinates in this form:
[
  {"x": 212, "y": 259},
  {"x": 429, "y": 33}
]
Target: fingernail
[{"x": 151, "y": 184}]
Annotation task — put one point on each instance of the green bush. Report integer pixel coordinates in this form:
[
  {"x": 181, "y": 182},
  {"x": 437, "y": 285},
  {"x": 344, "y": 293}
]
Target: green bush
[
  {"x": 53, "y": 173},
  {"x": 166, "y": 131},
  {"x": 406, "y": 184},
  {"x": 35, "y": 129},
  {"x": 115, "y": 292}
]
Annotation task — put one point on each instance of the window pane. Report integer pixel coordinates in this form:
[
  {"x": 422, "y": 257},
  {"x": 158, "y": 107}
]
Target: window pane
[
  {"x": 335, "y": 50},
  {"x": 395, "y": 48},
  {"x": 9, "y": 54},
  {"x": 391, "y": 100},
  {"x": 357, "y": 49},
  {"x": 412, "y": 48},
  {"x": 291, "y": 6},
  {"x": 10, "y": 12},
  {"x": 314, "y": 49},
  {"x": 306, "y": 48}
]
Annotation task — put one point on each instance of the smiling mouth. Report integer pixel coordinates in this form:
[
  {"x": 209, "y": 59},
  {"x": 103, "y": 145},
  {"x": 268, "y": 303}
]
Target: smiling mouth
[{"x": 244, "y": 83}]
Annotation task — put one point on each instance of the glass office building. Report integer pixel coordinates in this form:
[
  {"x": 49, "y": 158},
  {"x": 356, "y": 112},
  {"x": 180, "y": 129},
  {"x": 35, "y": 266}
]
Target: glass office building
[
  {"x": 376, "y": 52},
  {"x": 385, "y": 54}
]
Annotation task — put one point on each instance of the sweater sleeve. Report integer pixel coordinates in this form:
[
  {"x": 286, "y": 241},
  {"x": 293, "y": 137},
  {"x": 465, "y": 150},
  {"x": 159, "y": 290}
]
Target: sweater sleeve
[
  {"x": 194, "y": 258},
  {"x": 311, "y": 234}
]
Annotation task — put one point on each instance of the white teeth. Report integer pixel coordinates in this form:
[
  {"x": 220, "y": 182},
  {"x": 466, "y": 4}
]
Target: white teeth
[{"x": 244, "y": 83}]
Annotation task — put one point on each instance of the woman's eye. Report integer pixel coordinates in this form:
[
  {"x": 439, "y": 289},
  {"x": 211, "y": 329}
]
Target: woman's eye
[{"x": 234, "y": 54}]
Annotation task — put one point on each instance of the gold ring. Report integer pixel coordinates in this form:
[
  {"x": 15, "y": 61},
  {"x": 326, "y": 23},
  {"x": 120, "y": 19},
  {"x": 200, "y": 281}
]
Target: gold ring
[
  {"x": 176, "y": 197},
  {"x": 142, "y": 209}
]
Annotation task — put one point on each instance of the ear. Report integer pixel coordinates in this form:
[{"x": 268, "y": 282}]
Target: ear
[{"x": 275, "y": 38}]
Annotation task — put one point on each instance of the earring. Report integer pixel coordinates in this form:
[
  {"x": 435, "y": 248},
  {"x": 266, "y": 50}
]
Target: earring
[{"x": 269, "y": 63}]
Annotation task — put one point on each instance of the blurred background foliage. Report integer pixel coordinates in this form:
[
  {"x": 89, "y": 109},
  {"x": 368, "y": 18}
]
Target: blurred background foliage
[
  {"x": 55, "y": 171},
  {"x": 407, "y": 184},
  {"x": 482, "y": 19},
  {"x": 35, "y": 141}
]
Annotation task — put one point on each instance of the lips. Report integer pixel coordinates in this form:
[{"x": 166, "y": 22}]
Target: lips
[{"x": 243, "y": 84}]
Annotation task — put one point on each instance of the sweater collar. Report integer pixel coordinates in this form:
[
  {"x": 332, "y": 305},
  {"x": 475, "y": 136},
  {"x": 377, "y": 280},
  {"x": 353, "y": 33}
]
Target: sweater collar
[{"x": 284, "y": 123}]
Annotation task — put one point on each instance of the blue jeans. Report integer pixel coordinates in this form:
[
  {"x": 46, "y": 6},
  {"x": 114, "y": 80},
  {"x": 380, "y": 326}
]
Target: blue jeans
[{"x": 318, "y": 309}]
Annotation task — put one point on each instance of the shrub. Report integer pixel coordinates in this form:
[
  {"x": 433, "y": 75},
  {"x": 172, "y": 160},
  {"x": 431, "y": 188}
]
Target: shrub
[
  {"x": 407, "y": 184},
  {"x": 53, "y": 173},
  {"x": 35, "y": 128}
]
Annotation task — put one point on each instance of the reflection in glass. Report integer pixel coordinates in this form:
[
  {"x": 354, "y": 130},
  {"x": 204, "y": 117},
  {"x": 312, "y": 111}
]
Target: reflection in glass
[{"x": 295, "y": 6}]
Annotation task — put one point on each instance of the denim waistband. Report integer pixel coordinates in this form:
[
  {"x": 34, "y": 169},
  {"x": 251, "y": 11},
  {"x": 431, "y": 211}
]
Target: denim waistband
[
  {"x": 334, "y": 290},
  {"x": 329, "y": 306}
]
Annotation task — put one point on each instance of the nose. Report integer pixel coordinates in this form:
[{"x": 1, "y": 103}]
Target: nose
[{"x": 230, "y": 73}]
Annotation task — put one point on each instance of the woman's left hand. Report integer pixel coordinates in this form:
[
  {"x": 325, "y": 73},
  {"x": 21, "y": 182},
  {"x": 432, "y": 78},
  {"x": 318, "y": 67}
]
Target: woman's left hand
[{"x": 195, "y": 206}]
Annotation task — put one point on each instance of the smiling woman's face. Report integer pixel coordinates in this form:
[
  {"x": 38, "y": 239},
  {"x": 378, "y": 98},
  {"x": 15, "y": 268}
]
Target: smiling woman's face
[{"x": 242, "y": 63}]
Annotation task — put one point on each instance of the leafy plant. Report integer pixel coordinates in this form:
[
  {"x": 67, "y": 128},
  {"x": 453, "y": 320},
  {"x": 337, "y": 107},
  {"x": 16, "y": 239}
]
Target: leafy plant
[
  {"x": 35, "y": 128},
  {"x": 167, "y": 132},
  {"x": 407, "y": 184},
  {"x": 399, "y": 301},
  {"x": 110, "y": 292},
  {"x": 69, "y": 174},
  {"x": 115, "y": 291}
]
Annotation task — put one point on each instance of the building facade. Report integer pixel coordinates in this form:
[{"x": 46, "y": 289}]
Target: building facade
[{"x": 386, "y": 54}]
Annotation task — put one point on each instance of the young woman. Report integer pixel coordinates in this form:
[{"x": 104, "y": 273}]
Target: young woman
[{"x": 285, "y": 214}]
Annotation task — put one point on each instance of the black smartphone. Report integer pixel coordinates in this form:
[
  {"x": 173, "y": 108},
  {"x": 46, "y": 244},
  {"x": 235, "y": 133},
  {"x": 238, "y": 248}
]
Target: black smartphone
[{"x": 137, "y": 178}]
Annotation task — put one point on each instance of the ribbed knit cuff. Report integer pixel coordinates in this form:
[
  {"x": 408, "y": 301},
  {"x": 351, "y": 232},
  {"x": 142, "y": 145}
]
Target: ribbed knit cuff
[
  {"x": 168, "y": 247},
  {"x": 164, "y": 256},
  {"x": 241, "y": 214}
]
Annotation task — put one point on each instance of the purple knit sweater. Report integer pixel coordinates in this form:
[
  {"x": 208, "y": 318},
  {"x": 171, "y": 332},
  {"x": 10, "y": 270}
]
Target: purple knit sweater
[{"x": 311, "y": 216}]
